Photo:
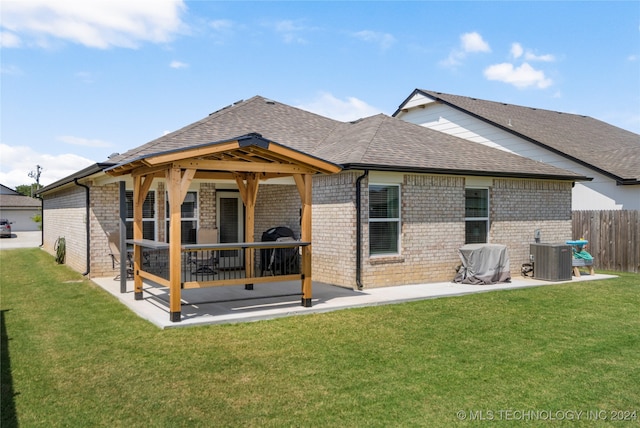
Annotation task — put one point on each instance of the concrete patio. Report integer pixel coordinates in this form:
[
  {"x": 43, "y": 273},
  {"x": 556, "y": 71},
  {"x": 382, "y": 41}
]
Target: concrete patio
[{"x": 233, "y": 304}]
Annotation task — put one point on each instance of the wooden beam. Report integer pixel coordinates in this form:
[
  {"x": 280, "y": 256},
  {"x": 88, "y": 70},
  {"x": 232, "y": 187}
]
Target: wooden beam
[
  {"x": 249, "y": 194},
  {"x": 240, "y": 166},
  {"x": 317, "y": 164},
  {"x": 174, "y": 189},
  {"x": 144, "y": 188},
  {"x": 306, "y": 236},
  {"x": 299, "y": 179},
  {"x": 191, "y": 153},
  {"x": 137, "y": 234},
  {"x": 157, "y": 171},
  {"x": 185, "y": 182}
]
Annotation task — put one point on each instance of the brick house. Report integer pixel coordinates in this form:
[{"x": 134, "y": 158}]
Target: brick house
[
  {"x": 586, "y": 146},
  {"x": 405, "y": 198}
]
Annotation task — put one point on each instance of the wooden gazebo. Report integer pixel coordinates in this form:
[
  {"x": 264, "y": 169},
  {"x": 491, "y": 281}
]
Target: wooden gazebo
[{"x": 248, "y": 160}]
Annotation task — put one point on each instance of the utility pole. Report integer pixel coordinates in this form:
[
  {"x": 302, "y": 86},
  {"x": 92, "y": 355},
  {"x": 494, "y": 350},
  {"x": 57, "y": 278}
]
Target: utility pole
[{"x": 36, "y": 175}]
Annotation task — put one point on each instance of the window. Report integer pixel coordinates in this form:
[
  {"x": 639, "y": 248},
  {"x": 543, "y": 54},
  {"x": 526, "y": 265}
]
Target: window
[
  {"x": 476, "y": 212},
  {"x": 384, "y": 219},
  {"x": 189, "y": 212},
  {"x": 148, "y": 215}
]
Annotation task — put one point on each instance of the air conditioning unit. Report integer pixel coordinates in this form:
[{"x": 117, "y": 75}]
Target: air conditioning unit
[{"x": 551, "y": 262}]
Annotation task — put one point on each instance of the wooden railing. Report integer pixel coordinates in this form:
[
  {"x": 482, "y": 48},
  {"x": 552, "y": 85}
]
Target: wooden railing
[{"x": 212, "y": 265}]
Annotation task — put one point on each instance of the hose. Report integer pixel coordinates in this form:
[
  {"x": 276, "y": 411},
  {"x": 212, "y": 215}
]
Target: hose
[{"x": 61, "y": 249}]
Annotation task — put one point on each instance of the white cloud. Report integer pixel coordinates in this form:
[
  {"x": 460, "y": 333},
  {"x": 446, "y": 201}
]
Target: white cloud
[
  {"x": 469, "y": 43},
  {"x": 9, "y": 40},
  {"x": 530, "y": 56},
  {"x": 473, "y": 42},
  {"x": 520, "y": 77},
  {"x": 290, "y": 31},
  {"x": 516, "y": 50},
  {"x": 383, "y": 40},
  {"x": 18, "y": 161},
  {"x": 325, "y": 104},
  {"x": 221, "y": 24},
  {"x": 632, "y": 58},
  {"x": 80, "y": 141},
  {"x": 178, "y": 64},
  {"x": 96, "y": 23}
]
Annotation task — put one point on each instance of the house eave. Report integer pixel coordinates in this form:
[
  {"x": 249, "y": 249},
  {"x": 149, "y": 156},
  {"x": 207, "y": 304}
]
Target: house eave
[
  {"x": 462, "y": 172},
  {"x": 88, "y": 171}
]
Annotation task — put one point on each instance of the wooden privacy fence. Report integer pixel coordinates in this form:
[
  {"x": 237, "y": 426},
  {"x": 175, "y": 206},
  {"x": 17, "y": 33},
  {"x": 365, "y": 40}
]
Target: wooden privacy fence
[{"x": 614, "y": 238}]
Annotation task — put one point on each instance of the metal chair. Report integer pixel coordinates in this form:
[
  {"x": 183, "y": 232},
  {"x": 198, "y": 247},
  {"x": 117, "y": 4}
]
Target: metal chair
[
  {"x": 114, "y": 248},
  {"x": 206, "y": 264}
]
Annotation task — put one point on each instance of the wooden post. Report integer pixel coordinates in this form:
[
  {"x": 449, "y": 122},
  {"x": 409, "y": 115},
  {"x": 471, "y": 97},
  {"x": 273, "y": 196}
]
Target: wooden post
[
  {"x": 141, "y": 186},
  {"x": 175, "y": 242},
  {"x": 137, "y": 234},
  {"x": 249, "y": 194},
  {"x": 304, "y": 183}
]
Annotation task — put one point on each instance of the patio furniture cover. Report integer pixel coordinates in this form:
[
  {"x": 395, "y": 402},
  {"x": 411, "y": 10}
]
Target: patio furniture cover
[{"x": 483, "y": 264}]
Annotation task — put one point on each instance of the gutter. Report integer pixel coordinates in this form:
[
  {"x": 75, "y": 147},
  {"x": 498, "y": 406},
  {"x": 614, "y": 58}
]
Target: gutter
[
  {"x": 460, "y": 172},
  {"x": 88, "y": 225},
  {"x": 359, "y": 230}
]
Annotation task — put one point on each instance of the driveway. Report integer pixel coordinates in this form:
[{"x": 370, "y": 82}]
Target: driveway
[{"x": 21, "y": 240}]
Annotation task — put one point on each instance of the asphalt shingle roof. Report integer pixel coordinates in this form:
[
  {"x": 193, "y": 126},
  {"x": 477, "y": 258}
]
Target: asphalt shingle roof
[
  {"x": 591, "y": 142},
  {"x": 377, "y": 141}
]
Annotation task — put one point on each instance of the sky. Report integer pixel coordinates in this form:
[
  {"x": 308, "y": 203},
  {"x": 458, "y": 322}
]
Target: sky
[{"x": 80, "y": 80}]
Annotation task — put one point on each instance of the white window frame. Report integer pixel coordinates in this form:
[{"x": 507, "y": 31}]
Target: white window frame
[
  {"x": 485, "y": 219},
  {"x": 398, "y": 220},
  {"x": 196, "y": 212},
  {"x": 129, "y": 220}
]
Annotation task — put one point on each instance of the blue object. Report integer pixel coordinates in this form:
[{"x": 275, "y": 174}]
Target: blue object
[{"x": 581, "y": 242}]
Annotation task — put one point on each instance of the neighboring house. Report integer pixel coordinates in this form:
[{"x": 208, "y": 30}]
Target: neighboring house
[
  {"x": 19, "y": 209},
  {"x": 405, "y": 200},
  {"x": 586, "y": 146}
]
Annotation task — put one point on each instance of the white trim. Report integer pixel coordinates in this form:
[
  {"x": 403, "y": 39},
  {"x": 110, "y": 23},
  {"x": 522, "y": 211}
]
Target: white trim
[{"x": 387, "y": 219}]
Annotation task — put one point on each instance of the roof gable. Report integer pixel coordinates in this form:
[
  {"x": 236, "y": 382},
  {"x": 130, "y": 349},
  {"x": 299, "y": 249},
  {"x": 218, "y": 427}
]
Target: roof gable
[
  {"x": 248, "y": 153},
  {"x": 598, "y": 145}
]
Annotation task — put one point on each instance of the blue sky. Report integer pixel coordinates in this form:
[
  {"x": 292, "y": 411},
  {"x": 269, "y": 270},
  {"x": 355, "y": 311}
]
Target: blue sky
[{"x": 83, "y": 79}]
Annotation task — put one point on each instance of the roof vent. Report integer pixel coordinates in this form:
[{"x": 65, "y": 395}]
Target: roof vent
[
  {"x": 270, "y": 102},
  {"x": 113, "y": 155}
]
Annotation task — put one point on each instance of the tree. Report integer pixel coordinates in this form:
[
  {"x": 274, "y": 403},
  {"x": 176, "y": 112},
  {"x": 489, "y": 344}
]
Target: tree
[{"x": 28, "y": 189}]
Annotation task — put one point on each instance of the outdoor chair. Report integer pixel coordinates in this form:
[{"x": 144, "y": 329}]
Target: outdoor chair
[
  {"x": 114, "y": 248},
  {"x": 205, "y": 261}
]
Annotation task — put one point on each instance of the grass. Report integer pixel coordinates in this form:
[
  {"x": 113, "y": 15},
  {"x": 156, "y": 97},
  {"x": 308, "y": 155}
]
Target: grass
[{"x": 73, "y": 356}]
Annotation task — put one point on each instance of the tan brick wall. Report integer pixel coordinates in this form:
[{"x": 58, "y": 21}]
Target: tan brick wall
[
  {"x": 432, "y": 230},
  {"x": 334, "y": 229},
  {"x": 105, "y": 213},
  {"x": 519, "y": 207},
  {"x": 433, "y": 226},
  {"x": 65, "y": 217},
  {"x": 207, "y": 205}
]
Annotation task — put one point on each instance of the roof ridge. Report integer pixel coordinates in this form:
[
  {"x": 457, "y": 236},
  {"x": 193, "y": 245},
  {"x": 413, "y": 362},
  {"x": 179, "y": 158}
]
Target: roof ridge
[{"x": 436, "y": 93}]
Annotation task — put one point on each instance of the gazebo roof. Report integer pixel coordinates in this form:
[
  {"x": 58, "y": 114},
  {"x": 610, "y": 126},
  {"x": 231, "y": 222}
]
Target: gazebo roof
[{"x": 247, "y": 153}]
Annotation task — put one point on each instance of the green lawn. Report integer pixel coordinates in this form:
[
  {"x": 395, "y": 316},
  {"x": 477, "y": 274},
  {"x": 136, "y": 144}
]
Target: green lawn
[{"x": 73, "y": 356}]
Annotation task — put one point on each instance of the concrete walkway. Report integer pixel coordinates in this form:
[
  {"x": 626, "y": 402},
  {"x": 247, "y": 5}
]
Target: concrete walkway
[
  {"x": 222, "y": 305},
  {"x": 21, "y": 240}
]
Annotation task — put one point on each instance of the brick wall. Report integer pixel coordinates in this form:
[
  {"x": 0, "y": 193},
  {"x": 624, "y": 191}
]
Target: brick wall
[
  {"x": 432, "y": 230},
  {"x": 334, "y": 229},
  {"x": 105, "y": 214},
  {"x": 65, "y": 217},
  {"x": 433, "y": 226},
  {"x": 519, "y": 207}
]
